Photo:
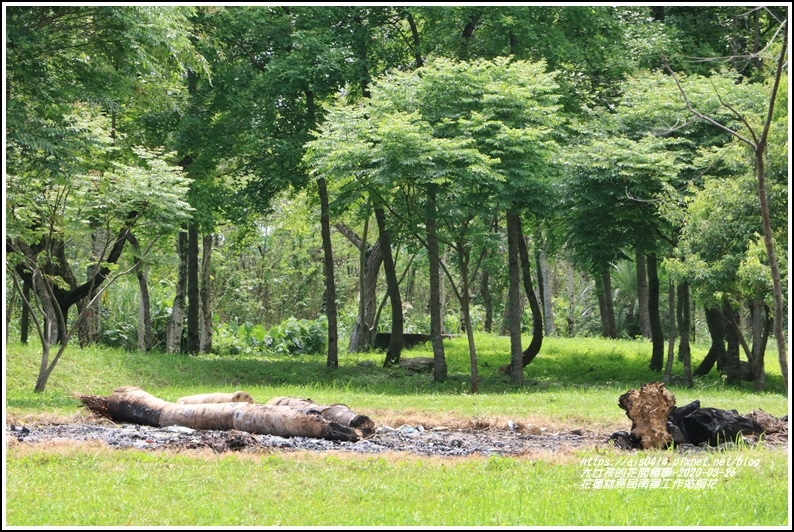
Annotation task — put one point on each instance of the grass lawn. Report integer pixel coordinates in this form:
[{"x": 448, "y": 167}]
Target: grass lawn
[{"x": 572, "y": 382}]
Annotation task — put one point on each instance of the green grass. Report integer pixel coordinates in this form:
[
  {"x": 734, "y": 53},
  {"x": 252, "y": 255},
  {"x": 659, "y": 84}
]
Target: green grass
[
  {"x": 132, "y": 488},
  {"x": 573, "y": 381}
]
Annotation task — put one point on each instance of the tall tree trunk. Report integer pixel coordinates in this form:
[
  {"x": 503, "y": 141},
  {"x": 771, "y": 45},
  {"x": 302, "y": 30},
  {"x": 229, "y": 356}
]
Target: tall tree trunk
[
  {"x": 642, "y": 294},
  {"x": 733, "y": 371},
  {"x": 536, "y": 342},
  {"x": 546, "y": 294},
  {"x": 609, "y": 304},
  {"x": 668, "y": 370},
  {"x": 487, "y": 302},
  {"x": 205, "y": 341},
  {"x": 173, "y": 343},
  {"x": 465, "y": 309},
  {"x": 144, "y": 312},
  {"x": 758, "y": 321},
  {"x": 332, "y": 359},
  {"x": 393, "y": 287},
  {"x": 370, "y": 259},
  {"x": 684, "y": 327},
  {"x": 777, "y": 287},
  {"x": 24, "y": 322},
  {"x": 436, "y": 338},
  {"x": 514, "y": 299},
  {"x": 89, "y": 330},
  {"x": 657, "y": 334},
  {"x": 193, "y": 298}
]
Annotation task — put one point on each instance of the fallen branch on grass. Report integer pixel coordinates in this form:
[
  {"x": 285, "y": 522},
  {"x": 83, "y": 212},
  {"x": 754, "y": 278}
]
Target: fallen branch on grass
[{"x": 287, "y": 418}]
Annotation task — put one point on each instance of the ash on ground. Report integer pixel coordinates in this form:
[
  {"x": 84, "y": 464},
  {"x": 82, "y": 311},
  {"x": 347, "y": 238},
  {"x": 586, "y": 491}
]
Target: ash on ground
[
  {"x": 436, "y": 441},
  {"x": 417, "y": 440}
]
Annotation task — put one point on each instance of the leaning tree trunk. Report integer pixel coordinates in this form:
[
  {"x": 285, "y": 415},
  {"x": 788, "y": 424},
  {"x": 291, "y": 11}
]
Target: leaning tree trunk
[
  {"x": 436, "y": 324},
  {"x": 393, "y": 287},
  {"x": 535, "y": 344},
  {"x": 205, "y": 340},
  {"x": 716, "y": 353},
  {"x": 173, "y": 342},
  {"x": 544, "y": 287},
  {"x": 657, "y": 334},
  {"x": 514, "y": 299}
]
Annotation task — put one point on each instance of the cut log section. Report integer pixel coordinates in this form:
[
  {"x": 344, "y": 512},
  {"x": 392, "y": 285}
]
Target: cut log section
[
  {"x": 338, "y": 413},
  {"x": 130, "y": 404},
  {"x": 648, "y": 409},
  {"x": 236, "y": 397}
]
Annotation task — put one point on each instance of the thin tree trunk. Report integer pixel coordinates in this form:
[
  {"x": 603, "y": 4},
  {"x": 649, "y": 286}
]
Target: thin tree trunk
[
  {"x": 668, "y": 370},
  {"x": 684, "y": 326},
  {"x": 536, "y": 342},
  {"x": 436, "y": 338},
  {"x": 777, "y": 289},
  {"x": 757, "y": 315},
  {"x": 657, "y": 335},
  {"x": 193, "y": 298},
  {"x": 514, "y": 299},
  {"x": 89, "y": 330},
  {"x": 546, "y": 295},
  {"x": 465, "y": 310},
  {"x": 392, "y": 285},
  {"x": 609, "y": 303},
  {"x": 205, "y": 341},
  {"x": 24, "y": 323},
  {"x": 642, "y": 294},
  {"x": 144, "y": 312},
  {"x": 332, "y": 359},
  {"x": 173, "y": 342},
  {"x": 487, "y": 302}
]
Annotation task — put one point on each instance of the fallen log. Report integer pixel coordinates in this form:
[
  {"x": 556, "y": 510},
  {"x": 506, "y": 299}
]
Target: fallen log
[
  {"x": 338, "y": 413},
  {"x": 130, "y": 404},
  {"x": 236, "y": 397}
]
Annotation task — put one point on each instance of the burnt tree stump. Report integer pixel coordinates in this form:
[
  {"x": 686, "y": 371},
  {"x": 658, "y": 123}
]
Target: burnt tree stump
[{"x": 648, "y": 408}]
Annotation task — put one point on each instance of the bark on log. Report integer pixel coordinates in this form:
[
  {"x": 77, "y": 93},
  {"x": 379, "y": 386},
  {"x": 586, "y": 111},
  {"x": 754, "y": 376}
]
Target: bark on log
[
  {"x": 236, "y": 397},
  {"x": 338, "y": 413},
  {"x": 648, "y": 409},
  {"x": 130, "y": 404}
]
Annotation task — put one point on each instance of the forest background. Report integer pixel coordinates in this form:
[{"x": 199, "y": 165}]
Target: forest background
[{"x": 286, "y": 179}]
